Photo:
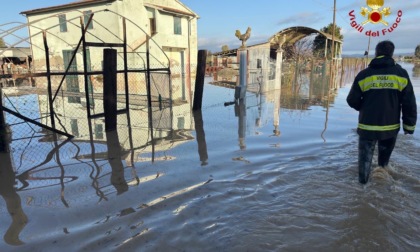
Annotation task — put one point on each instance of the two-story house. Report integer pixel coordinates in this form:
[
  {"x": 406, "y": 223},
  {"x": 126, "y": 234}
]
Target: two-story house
[
  {"x": 167, "y": 27},
  {"x": 157, "y": 34}
]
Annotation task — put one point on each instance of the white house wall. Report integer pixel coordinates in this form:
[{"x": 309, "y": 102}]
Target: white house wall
[
  {"x": 259, "y": 75},
  {"x": 107, "y": 28},
  {"x": 59, "y": 41}
]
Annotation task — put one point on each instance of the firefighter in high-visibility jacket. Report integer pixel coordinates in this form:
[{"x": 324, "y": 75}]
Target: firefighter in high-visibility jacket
[{"x": 381, "y": 93}]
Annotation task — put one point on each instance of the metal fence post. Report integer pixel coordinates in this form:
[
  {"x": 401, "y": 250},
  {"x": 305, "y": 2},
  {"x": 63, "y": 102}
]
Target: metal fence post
[
  {"x": 199, "y": 81},
  {"x": 110, "y": 89},
  {"x": 3, "y": 133}
]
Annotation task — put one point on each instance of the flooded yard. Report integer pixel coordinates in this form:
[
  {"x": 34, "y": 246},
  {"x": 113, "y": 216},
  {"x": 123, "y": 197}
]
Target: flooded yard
[{"x": 276, "y": 171}]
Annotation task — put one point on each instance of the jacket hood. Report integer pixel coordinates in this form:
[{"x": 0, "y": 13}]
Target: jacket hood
[{"x": 382, "y": 62}]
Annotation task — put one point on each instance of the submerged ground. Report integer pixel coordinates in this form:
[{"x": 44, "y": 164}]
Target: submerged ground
[{"x": 276, "y": 172}]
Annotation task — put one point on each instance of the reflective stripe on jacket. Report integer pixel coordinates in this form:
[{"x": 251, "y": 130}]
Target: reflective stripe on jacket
[{"x": 380, "y": 93}]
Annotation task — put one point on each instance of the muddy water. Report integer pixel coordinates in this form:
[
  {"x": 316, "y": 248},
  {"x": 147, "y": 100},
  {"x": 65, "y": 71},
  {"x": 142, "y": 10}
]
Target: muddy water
[{"x": 275, "y": 173}]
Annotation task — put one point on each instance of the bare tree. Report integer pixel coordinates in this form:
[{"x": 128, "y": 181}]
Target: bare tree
[
  {"x": 2, "y": 44},
  {"x": 303, "y": 49},
  {"x": 299, "y": 54},
  {"x": 300, "y": 51}
]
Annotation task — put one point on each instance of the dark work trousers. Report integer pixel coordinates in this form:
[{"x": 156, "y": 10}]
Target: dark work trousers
[{"x": 366, "y": 150}]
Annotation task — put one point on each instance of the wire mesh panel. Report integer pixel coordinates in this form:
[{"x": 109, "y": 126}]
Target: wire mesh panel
[
  {"x": 57, "y": 91},
  {"x": 66, "y": 70}
]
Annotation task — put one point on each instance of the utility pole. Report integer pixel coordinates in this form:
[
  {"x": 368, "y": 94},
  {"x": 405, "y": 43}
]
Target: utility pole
[
  {"x": 333, "y": 34},
  {"x": 332, "y": 47},
  {"x": 331, "y": 74},
  {"x": 367, "y": 53}
]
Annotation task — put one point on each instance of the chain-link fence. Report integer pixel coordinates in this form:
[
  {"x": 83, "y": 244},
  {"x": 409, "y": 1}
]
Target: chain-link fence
[{"x": 53, "y": 104}]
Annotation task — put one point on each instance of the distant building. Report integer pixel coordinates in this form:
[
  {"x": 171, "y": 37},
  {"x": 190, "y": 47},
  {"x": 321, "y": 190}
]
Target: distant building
[
  {"x": 265, "y": 60},
  {"x": 161, "y": 34},
  {"x": 15, "y": 61},
  {"x": 16, "y": 55}
]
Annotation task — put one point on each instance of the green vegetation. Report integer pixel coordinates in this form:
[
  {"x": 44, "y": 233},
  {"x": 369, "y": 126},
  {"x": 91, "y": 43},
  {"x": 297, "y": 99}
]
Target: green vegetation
[
  {"x": 417, "y": 52},
  {"x": 319, "y": 41}
]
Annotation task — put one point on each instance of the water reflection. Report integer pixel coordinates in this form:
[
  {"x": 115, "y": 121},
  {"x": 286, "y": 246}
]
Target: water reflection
[
  {"x": 301, "y": 88},
  {"x": 240, "y": 112},
  {"x": 114, "y": 157},
  {"x": 12, "y": 199},
  {"x": 201, "y": 137},
  {"x": 96, "y": 166},
  {"x": 276, "y": 112},
  {"x": 416, "y": 70}
]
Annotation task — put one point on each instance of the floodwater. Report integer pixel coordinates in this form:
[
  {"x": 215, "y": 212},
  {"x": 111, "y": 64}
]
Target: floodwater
[{"x": 274, "y": 172}]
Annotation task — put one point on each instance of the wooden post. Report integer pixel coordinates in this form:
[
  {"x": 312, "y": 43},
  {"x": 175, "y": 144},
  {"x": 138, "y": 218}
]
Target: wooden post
[
  {"x": 50, "y": 96},
  {"x": 110, "y": 89},
  {"x": 199, "y": 79}
]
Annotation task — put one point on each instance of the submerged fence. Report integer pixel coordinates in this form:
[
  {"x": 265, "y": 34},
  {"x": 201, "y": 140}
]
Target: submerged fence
[
  {"x": 62, "y": 79},
  {"x": 62, "y": 96}
]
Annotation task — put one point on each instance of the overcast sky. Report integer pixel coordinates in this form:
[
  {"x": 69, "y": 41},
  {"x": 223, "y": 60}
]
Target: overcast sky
[{"x": 219, "y": 19}]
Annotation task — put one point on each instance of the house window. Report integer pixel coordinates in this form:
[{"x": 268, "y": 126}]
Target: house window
[
  {"x": 99, "y": 131},
  {"x": 63, "y": 22},
  {"x": 74, "y": 127},
  {"x": 152, "y": 26},
  {"x": 181, "y": 123},
  {"x": 86, "y": 16},
  {"x": 177, "y": 26},
  {"x": 152, "y": 21}
]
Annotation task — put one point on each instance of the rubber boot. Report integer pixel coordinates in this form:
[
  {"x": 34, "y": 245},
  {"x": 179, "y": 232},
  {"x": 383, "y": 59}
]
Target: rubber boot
[
  {"x": 366, "y": 150},
  {"x": 385, "y": 148}
]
